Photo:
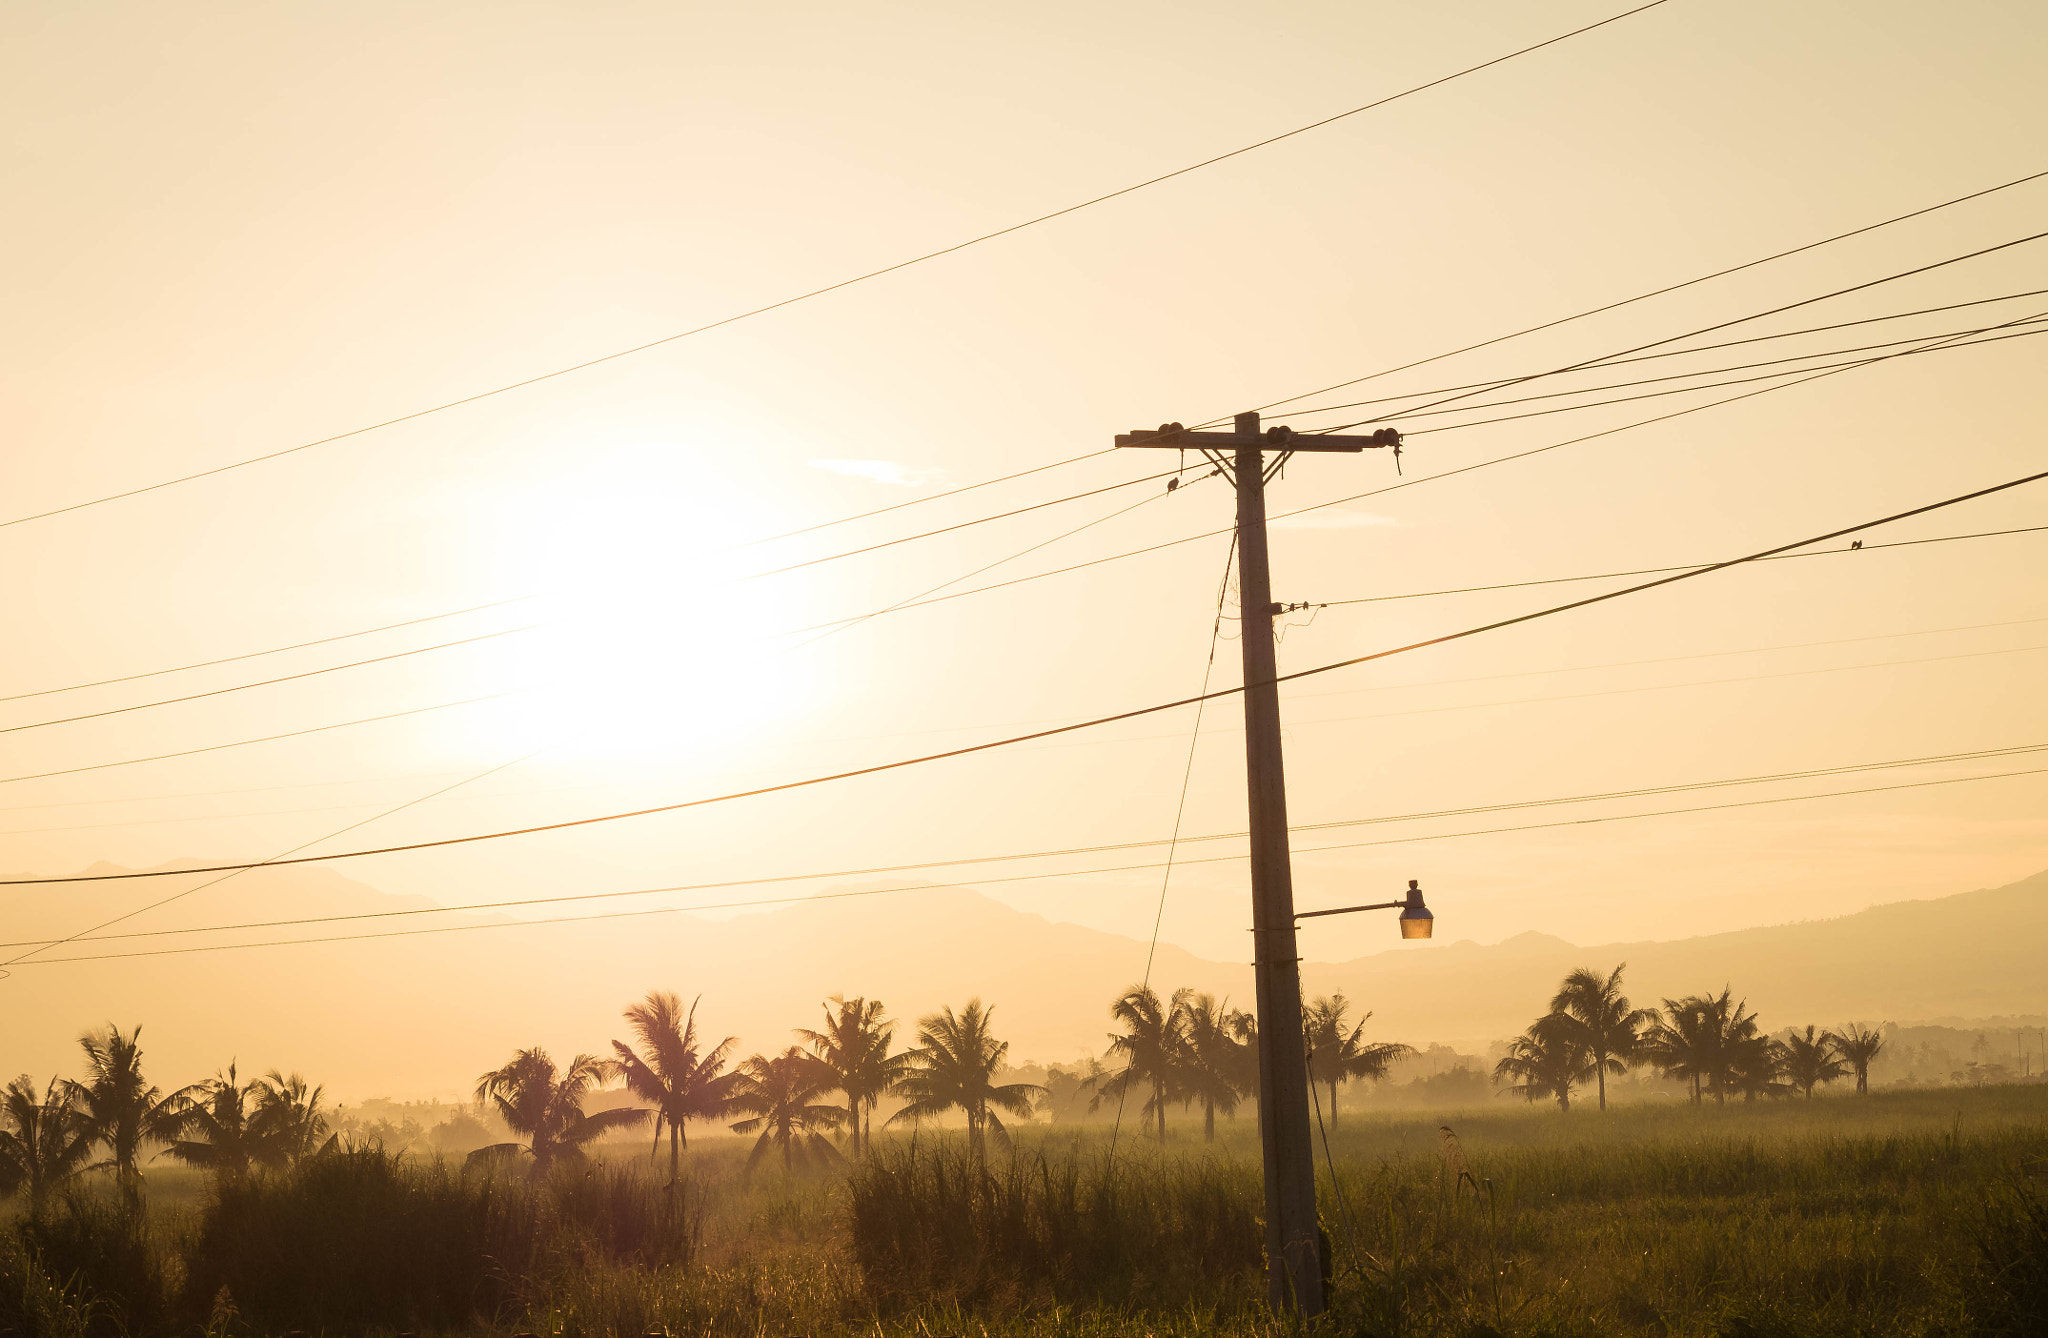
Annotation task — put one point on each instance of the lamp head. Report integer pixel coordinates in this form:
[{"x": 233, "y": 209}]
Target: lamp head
[{"x": 1416, "y": 921}]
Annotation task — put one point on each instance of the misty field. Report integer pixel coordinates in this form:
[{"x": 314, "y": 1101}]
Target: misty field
[{"x": 1895, "y": 1213}]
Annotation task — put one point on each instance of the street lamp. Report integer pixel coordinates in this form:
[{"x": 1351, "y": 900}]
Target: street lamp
[{"x": 1416, "y": 921}]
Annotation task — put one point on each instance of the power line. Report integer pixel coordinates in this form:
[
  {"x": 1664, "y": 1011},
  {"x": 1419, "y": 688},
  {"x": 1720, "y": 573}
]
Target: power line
[
  {"x": 1653, "y": 571},
  {"x": 843, "y": 283},
  {"x": 920, "y": 501},
  {"x": 1679, "y": 659},
  {"x": 1502, "y": 381},
  {"x": 1348, "y": 692},
  {"x": 1322, "y": 721},
  {"x": 965, "y": 524},
  {"x": 1076, "y": 459},
  {"x": 1466, "y": 392},
  {"x": 920, "y": 602},
  {"x": 1790, "y": 364},
  {"x": 845, "y": 624},
  {"x": 287, "y": 678},
  {"x": 1595, "y": 436},
  {"x": 884, "y": 891},
  {"x": 1187, "y": 774},
  {"x": 1689, "y": 390},
  {"x": 1672, "y": 812},
  {"x": 1392, "y": 487},
  {"x": 1723, "y": 325},
  {"x": 1668, "y": 687},
  {"x": 523, "y": 598},
  {"x": 1655, "y": 292},
  {"x": 410, "y": 622},
  {"x": 274, "y": 650},
  {"x": 268, "y": 738},
  {"x": 1180, "y": 809},
  {"x": 1156, "y": 708},
  {"x": 373, "y": 719},
  {"x": 210, "y": 794},
  {"x": 1807, "y": 773},
  {"x": 34, "y": 949}
]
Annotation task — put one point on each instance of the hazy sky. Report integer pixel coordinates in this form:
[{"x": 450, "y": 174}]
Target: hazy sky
[{"x": 237, "y": 228}]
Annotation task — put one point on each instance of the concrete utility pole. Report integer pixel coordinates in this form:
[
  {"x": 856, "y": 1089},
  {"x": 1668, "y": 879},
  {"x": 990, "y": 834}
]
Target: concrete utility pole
[{"x": 1294, "y": 1275}]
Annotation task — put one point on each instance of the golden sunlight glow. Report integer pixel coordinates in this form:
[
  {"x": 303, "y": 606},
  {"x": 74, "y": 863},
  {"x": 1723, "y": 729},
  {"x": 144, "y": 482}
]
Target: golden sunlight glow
[{"x": 646, "y": 652}]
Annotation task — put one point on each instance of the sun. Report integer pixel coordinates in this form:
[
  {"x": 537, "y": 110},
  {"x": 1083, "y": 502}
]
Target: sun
[{"x": 644, "y": 652}]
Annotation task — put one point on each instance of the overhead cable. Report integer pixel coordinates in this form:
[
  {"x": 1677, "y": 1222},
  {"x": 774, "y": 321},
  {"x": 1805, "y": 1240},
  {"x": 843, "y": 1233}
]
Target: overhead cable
[
  {"x": 1502, "y": 381},
  {"x": 962, "y": 525},
  {"x": 845, "y": 624},
  {"x": 843, "y": 283},
  {"x": 268, "y": 682},
  {"x": 1388, "y": 488},
  {"x": 274, "y": 650},
  {"x": 929, "y": 497},
  {"x": 1656, "y": 292},
  {"x": 1788, "y": 366},
  {"x": 1654, "y": 571},
  {"x": 1128, "y": 868},
  {"x": 1723, "y": 325},
  {"x": 36, "y": 949},
  {"x": 268, "y": 738},
  {"x": 1808, "y": 773},
  {"x": 1154, "y": 709},
  {"x": 1294, "y": 697},
  {"x": 1690, "y": 390}
]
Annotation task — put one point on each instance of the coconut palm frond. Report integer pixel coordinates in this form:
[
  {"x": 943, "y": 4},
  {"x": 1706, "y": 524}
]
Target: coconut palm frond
[
  {"x": 45, "y": 1140},
  {"x": 672, "y": 1071},
  {"x": 854, "y": 1050},
  {"x": 954, "y": 1067},
  {"x": 780, "y": 1091}
]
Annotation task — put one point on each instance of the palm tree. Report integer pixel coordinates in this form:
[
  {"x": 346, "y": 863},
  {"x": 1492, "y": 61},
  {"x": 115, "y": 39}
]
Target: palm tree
[
  {"x": 1858, "y": 1045},
  {"x": 854, "y": 1048},
  {"x": 783, "y": 1093},
  {"x": 46, "y": 1140},
  {"x": 1811, "y": 1060},
  {"x": 954, "y": 1067},
  {"x": 124, "y": 1110},
  {"x": 1335, "y": 1054},
  {"x": 682, "y": 1084},
  {"x": 1744, "y": 1051},
  {"x": 1755, "y": 1063},
  {"x": 1213, "y": 1069},
  {"x": 535, "y": 1101},
  {"x": 288, "y": 1116},
  {"x": 1153, "y": 1050},
  {"x": 1549, "y": 1059},
  {"x": 218, "y": 1131},
  {"x": 1244, "y": 1029},
  {"x": 1683, "y": 1043},
  {"x": 1712, "y": 1041},
  {"x": 1610, "y": 1027}
]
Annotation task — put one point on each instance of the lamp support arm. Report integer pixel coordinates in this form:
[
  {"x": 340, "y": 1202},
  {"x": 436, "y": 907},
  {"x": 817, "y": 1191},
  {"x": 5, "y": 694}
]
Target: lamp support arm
[{"x": 1346, "y": 910}]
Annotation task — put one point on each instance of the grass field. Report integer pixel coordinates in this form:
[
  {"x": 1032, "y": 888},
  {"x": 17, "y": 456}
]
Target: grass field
[{"x": 1900, "y": 1213}]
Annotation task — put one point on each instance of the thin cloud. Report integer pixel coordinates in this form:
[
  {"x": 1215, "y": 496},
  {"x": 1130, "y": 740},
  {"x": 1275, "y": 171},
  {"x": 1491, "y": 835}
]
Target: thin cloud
[
  {"x": 1335, "y": 520},
  {"x": 881, "y": 471}
]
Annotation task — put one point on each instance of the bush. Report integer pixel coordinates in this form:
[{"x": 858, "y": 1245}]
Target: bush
[
  {"x": 111, "y": 1260},
  {"x": 355, "y": 1239},
  {"x": 35, "y": 1305},
  {"x": 2012, "y": 1298},
  {"x": 360, "y": 1238},
  {"x": 928, "y": 1220}
]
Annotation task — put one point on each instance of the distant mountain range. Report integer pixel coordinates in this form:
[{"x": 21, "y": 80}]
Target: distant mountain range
[{"x": 421, "y": 1015}]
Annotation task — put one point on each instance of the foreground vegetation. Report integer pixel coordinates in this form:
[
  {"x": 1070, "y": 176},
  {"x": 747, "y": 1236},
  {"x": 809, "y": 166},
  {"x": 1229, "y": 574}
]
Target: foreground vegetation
[
  {"x": 233, "y": 1207},
  {"x": 1895, "y": 1213}
]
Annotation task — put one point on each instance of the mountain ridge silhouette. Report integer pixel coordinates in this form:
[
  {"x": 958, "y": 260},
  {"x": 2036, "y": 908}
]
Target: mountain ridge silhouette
[{"x": 423, "y": 1013}]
